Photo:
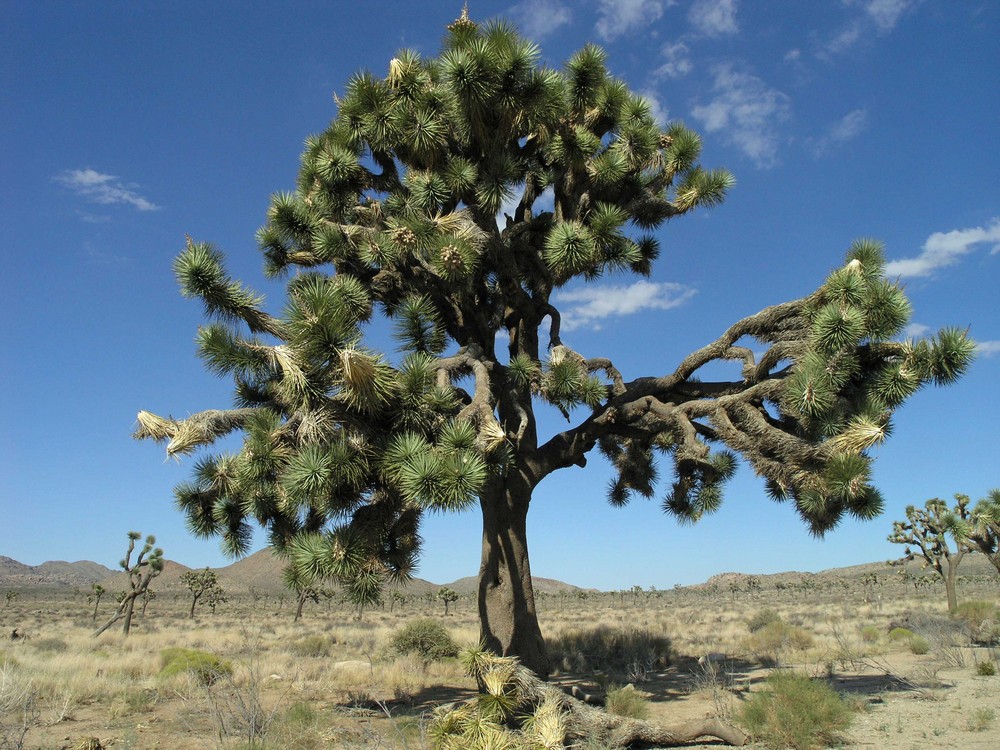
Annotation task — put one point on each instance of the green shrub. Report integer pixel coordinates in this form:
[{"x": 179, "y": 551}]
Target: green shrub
[
  {"x": 795, "y": 712},
  {"x": 986, "y": 669},
  {"x": 762, "y": 619},
  {"x": 311, "y": 645},
  {"x": 919, "y": 645},
  {"x": 900, "y": 634},
  {"x": 427, "y": 638},
  {"x": 870, "y": 634},
  {"x": 775, "y": 638},
  {"x": 207, "y": 668},
  {"x": 615, "y": 651},
  {"x": 627, "y": 701}
]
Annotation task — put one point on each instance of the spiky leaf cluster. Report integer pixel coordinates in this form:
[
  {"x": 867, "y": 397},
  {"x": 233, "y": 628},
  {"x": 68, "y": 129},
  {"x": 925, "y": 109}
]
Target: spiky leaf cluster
[{"x": 396, "y": 208}]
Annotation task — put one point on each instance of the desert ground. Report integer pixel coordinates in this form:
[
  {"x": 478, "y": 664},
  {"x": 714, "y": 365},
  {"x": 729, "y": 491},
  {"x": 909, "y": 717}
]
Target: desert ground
[{"x": 913, "y": 676}]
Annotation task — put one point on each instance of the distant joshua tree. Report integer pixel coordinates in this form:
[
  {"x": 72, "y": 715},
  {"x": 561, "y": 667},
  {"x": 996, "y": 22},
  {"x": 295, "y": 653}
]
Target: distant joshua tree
[
  {"x": 99, "y": 591},
  {"x": 201, "y": 583},
  {"x": 928, "y": 529},
  {"x": 146, "y": 567},
  {"x": 8, "y": 598},
  {"x": 446, "y": 595}
]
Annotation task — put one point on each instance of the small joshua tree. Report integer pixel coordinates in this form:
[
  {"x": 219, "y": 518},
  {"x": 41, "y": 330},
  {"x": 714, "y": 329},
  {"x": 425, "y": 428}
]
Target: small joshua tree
[
  {"x": 146, "y": 599},
  {"x": 214, "y": 597},
  {"x": 303, "y": 586},
  {"x": 148, "y": 564},
  {"x": 99, "y": 591},
  {"x": 984, "y": 530},
  {"x": 446, "y": 595},
  {"x": 200, "y": 583},
  {"x": 928, "y": 529},
  {"x": 9, "y": 598}
]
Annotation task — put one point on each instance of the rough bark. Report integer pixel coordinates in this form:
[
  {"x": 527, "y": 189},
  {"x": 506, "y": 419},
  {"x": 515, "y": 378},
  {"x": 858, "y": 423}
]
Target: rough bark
[{"x": 508, "y": 622}]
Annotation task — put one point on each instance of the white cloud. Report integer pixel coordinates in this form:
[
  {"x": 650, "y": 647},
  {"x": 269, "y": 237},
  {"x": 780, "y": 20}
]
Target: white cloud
[
  {"x": 944, "y": 249},
  {"x": 878, "y": 18},
  {"x": 678, "y": 61},
  {"x": 714, "y": 17},
  {"x": 845, "y": 129},
  {"x": 587, "y": 306},
  {"x": 104, "y": 189},
  {"x": 792, "y": 55},
  {"x": 885, "y": 14},
  {"x": 745, "y": 112},
  {"x": 987, "y": 348},
  {"x": 538, "y": 18},
  {"x": 916, "y": 330},
  {"x": 616, "y": 17}
]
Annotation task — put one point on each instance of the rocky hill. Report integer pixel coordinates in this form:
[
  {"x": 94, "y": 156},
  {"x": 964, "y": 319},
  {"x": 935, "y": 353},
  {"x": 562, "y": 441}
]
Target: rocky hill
[{"x": 55, "y": 573}]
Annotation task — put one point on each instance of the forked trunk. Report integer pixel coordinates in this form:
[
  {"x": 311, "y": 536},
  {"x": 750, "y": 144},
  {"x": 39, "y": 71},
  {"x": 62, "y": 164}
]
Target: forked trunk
[{"x": 508, "y": 622}]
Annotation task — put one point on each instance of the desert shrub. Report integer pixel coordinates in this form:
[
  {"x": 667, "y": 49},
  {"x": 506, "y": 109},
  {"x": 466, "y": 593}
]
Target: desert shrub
[
  {"x": 615, "y": 651},
  {"x": 919, "y": 645},
  {"x": 870, "y": 634},
  {"x": 981, "y": 719},
  {"x": 627, "y": 701},
  {"x": 311, "y": 645},
  {"x": 900, "y": 634},
  {"x": 205, "y": 667},
  {"x": 986, "y": 669},
  {"x": 774, "y": 639},
  {"x": 762, "y": 619},
  {"x": 428, "y": 639},
  {"x": 50, "y": 645},
  {"x": 981, "y": 618},
  {"x": 796, "y": 712}
]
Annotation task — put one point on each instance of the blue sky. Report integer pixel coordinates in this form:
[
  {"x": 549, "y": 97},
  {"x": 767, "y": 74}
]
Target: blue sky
[{"x": 126, "y": 125}]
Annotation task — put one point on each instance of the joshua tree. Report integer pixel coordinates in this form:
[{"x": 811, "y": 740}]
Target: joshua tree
[
  {"x": 984, "y": 530},
  {"x": 148, "y": 564},
  {"x": 99, "y": 591},
  {"x": 9, "y": 597},
  {"x": 200, "y": 583},
  {"x": 928, "y": 529},
  {"x": 396, "y": 211},
  {"x": 302, "y": 585},
  {"x": 214, "y": 597},
  {"x": 147, "y": 597},
  {"x": 448, "y": 596}
]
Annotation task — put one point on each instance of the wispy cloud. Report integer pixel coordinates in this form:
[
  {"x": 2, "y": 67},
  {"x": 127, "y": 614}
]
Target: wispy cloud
[
  {"x": 616, "y": 17},
  {"x": 987, "y": 348},
  {"x": 943, "y": 249},
  {"x": 916, "y": 330},
  {"x": 877, "y": 18},
  {"x": 714, "y": 17},
  {"x": 745, "y": 112},
  {"x": 104, "y": 189},
  {"x": 885, "y": 14},
  {"x": 539, "y": 18},
  {"x": 847, "y": 128},
  {"x": 677, "y": 61},
  {"x": 588, "y": 306}
]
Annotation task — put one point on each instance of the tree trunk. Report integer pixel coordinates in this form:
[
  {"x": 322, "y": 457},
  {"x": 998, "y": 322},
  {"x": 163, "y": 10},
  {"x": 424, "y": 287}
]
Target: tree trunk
[
  {"x": 194, "y": 600},
  {"x": 508, "y": 622},
  {"x": 298, "y": 609},
  {"x": 129, "y": 609}
]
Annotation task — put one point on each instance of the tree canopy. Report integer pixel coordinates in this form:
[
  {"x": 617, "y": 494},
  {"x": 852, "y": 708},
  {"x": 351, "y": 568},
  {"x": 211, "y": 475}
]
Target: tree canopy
[{"x": 454, "y": 195}]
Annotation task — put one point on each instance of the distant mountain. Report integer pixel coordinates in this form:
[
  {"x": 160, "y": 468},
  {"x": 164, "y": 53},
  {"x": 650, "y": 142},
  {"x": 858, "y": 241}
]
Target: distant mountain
[
  {"x": 261, "y": 571},
  {"x": 53, "y": 573}
]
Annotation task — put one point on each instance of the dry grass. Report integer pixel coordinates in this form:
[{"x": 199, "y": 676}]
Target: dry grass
[{"x": 331, "y": 680}]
